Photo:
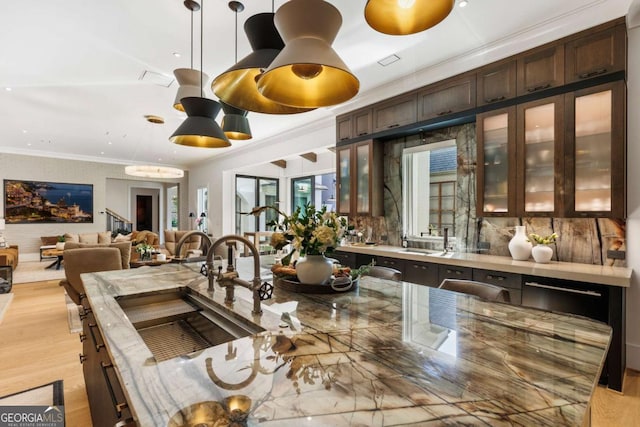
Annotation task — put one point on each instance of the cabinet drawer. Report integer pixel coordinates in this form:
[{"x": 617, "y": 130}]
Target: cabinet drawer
[
  {"x": 498, "y": 278},
  {"x": 345, "y": 258},
  {"x": 454, "y": 272},
  {"x": 422, "y": 273},
  {"x": 398, "y": 264}
]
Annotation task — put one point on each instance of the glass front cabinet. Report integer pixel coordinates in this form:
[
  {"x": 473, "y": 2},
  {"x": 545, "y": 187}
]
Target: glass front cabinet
[
  {"x": 360, "y": 179},
  {"x": 561, "y": 156}
]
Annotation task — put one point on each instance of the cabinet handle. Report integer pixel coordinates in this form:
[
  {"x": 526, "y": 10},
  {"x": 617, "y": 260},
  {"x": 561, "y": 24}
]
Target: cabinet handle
[
  {"x": 458, "y": 272},
  {"x": 93, "y": 337},
  {"x": 83, "y": 358},
  {"x": 498, "y": 278},
  {"x": 490, "y": 100},
  {"x": 555, "y": 288},
  {"x": 593, "y": 73},
  {"x": 83, "y": 337},
  {"x": 363, "y": 133},
  {"x": 537, "y": 88},
  {"x": 395, "y": 125},
  {"x": 442, "y": 113},
  {"x": 117, "y": 406}
]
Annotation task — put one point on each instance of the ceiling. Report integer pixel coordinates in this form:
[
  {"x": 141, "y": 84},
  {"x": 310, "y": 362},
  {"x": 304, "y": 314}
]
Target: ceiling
[{"x": 75, "y": 67}]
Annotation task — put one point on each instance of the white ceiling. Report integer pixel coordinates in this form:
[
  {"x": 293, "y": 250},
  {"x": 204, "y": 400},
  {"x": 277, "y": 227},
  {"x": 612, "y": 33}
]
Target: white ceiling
[{"x": 74, "y": 66}]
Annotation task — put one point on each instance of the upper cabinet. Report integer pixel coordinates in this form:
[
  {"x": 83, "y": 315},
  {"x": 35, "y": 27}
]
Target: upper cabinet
[
  {"x": 362, "y": 122},
  {"x": 541, "y": 68},
  {"x": 360, "y": 179},
  {"x": 395, "y": 112},
  {"x": 601, "y": 52},
  {"x": 451, "y": 96},
  {"x": 496, "y": 82},
  {"x": 595, "y": 151},
  {"x": 343, "y": 127}
]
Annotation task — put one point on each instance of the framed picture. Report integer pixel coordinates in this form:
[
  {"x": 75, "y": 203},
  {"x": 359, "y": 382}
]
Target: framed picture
[{"x": 36, "y": 202}]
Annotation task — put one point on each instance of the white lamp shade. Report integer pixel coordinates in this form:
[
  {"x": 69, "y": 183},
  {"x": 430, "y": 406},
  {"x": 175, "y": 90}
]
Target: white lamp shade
[{"x": 189, "y": 81}]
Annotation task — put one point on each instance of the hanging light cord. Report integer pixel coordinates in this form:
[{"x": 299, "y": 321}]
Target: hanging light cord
[
  {"x": 201, "y": 41},
  {"x": 236, "y": 34},
  {"x": 272, "y": 3},
  {"x": 192, "y": 38}
]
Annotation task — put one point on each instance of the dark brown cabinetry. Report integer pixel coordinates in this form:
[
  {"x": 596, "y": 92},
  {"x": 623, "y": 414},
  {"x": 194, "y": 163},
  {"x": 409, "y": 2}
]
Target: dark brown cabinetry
[
  {"x": 360, "y": 179},
  {"x": 540, "y": 69},
  {"x": 451, "y": 96},
  {"x": 597, "y": 53},
  {"x": 595, "y": 168},
  {"x": 344, "y": 127},
  {"x": 347, "y": 259},
  {"x": 395, "y": 112},
  {"x": 453, "y": 272},
  {"x": 496, "y": 82},
  {"x": 355, "y": 124},
  {"x": 422, "y": 273},
  {"x": 107, "y": 402},
  {"x": 510, "y": 281}
]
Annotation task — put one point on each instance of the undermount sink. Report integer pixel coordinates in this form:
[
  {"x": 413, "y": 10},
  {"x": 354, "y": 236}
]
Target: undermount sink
[
  {"x": 428, "y": 252},
  {"x": 178, "y": 322}
]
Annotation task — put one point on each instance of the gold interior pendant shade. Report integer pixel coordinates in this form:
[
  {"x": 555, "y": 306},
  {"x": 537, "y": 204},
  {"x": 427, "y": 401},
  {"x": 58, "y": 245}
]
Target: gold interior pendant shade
[
  {"x": 402, "y": 17},
  {"x": 237, "y": 85},
  {"x": 308, "y": 73},
  {"x": 235, "y": 124},
  {"x": 200, "y": 129}
]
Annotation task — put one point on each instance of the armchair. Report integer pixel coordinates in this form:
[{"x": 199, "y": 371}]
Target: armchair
[{"x": 192, "y": 247}]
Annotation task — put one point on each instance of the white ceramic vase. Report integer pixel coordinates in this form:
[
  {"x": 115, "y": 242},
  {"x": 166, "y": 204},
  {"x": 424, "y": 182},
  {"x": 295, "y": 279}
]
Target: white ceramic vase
[
  {"x": 314, "y": 270},
  {"x": 60, "y": 246},
  {"x": 519, "y": 245},
  {"x": 542, "y": 253}
]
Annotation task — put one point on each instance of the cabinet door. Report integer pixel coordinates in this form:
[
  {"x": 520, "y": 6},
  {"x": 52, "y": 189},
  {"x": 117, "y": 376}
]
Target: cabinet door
[
  {"x": 540, "y": 172},
  {"x": 422, "y": 273},
  {"x": 362, "y": 123},
  {"x": 453, "y": 272},
  {"x": 496, "y": 82},
  {"x": 595, "y": 151},
  {"x": 343, "y": 172},
  {"x": 496, "y": 177},
  {"x": 343, "y": 127},
  {"x": 510, "y": 281},
  {"x": 452, "y": 96},
  {"x": 540, "y": 69},
  {"x": 398, "y": 111},
  {"x": 601, "y": 53},
  {"x": 364, "y": 165}
]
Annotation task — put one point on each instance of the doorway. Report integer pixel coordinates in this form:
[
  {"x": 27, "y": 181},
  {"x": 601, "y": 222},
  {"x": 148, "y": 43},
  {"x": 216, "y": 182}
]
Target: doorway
[{"x": 144, "y": 212}]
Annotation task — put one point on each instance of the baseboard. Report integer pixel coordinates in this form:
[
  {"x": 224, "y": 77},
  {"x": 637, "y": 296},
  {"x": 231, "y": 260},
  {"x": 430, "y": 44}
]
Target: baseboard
[{"x": 633, "y": 356}]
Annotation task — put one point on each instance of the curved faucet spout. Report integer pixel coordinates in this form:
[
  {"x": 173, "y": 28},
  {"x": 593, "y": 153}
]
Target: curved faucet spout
[
  {"x": 230, "y": 278},
  {"x": 208, "y": 244}
]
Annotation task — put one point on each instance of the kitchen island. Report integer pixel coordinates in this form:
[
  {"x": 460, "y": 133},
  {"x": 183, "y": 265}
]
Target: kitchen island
[{"x": 386, "y": 353}]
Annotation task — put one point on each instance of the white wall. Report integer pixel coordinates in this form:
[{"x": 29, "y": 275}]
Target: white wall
[{"x": 32, "y": 168}]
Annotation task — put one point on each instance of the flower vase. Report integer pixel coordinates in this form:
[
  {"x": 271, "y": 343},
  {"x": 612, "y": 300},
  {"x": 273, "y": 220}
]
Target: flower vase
[
  {"x": 519, "y": 245},
  {"x": 60, "y": 246},
  {"x": 314, "y": 270},
  {"x": 542, "y": 253},
  {"x": 145, "y": 256}
]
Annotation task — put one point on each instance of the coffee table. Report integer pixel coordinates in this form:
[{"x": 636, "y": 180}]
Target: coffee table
[{"x": 54, "y": 253}]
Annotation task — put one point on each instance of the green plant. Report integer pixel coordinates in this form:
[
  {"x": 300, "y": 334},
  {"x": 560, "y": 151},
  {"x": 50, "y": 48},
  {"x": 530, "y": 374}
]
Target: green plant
[
  {"x": 309, "y": 231},
  {"x": 61, "y": 239},
  {"x": 144, "y": 249},
  {"x": 543, "y": 240}
]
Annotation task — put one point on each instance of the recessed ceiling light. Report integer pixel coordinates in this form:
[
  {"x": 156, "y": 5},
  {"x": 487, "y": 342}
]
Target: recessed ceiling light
[
  {"x": 28, "y": 144},
  {"x": 176, "y": 54},
  {"x": 154, "y": 119},
  {"x": 389, "y": 60},
  {"x": 8, "y": 89},
  {"x": 102, "y": 153},
  {"x": 109, "y": 143},
  {"x": 24, "y": 131},
  {"x": 463, "y": 3}
]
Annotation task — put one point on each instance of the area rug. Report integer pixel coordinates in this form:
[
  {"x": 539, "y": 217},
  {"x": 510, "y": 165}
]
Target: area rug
[
  {"x": 35, "y": 271},
  {"x": 51, "y": 394},
  {"x": 73, "y": 315},
  {"x": 5, "y": 300}
]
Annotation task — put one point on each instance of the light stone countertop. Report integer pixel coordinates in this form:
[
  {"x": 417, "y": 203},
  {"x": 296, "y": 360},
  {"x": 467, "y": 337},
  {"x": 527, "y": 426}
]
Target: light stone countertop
[
  {"x": 604, "y": 275},
  {"x": 384, "y": 354}
]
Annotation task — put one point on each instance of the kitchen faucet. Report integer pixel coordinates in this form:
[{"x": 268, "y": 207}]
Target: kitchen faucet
[{"x": 230, "y": 278}]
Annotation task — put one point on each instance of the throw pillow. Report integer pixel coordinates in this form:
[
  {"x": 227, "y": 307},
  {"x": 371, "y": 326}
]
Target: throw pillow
[
  {"x": 89, "y": 238},
  {"x": 71, "y": 238},
  {"x": 104, "y": 237}
]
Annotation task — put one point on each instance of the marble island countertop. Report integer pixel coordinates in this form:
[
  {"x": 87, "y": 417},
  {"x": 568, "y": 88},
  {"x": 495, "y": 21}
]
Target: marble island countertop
[
  {"x": 601, "y": 274},
  {"x": 385, "y": 354}
]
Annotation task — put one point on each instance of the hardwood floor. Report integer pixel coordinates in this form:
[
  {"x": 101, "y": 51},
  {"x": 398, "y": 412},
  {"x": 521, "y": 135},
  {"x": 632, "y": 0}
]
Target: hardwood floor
[{"x": 37, "y": 348}]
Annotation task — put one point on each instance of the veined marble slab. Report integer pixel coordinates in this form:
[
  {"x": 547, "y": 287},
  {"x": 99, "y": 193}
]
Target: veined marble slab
[
  {"x": 386, "y": 354},
  {"x": 601, "y": 274}
]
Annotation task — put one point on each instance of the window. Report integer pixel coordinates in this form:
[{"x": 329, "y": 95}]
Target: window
[
  {"x": 319, "y": 190},
  {"x": 429, "y": 189},
  {"x": 202, "y": 209},
  {"x": 252, "y": 192}
]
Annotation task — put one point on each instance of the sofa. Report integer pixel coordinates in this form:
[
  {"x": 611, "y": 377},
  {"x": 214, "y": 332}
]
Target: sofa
[
  {"x": 102, "y": 237},
  {"x": 9, "y": 256}
]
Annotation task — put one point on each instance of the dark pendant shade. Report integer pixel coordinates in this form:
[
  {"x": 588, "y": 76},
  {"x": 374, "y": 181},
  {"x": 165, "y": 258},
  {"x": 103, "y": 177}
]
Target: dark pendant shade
[
  {"x": 402, "y": 17},
  {"x": 237, "y": 85},
  {"x": 200, "y": 129},
  {"x": 308, "y": 73},
  {"x": 235, "y": 124}
]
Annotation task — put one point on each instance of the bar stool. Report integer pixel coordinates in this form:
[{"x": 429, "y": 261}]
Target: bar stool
[
  {"x": 387, "y": 273},
  {"x": 482, "y": 290}
]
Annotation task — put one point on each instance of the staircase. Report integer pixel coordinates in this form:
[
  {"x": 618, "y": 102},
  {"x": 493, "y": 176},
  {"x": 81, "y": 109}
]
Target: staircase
[{"x": 117, "y": 223}]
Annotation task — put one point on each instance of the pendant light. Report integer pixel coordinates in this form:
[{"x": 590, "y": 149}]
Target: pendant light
[
  {"x": 200, "y": 129},
  {"x": 402, "y": 17},
  {"x": 151, "y": 171},
  {"x": 235, "y": 124},
  {"x": 237, "y": 85},
  {"x": 308, "y": 73},
  {"x": 188, "y": 78}
]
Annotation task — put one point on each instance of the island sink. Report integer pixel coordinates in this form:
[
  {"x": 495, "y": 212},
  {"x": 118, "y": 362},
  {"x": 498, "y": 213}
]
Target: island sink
[{"x": 178, "y": 322}]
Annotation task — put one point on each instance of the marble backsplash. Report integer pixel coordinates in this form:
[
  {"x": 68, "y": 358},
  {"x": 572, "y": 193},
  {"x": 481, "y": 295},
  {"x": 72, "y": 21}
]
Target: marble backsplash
[{"x": 582, "y": 240}]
